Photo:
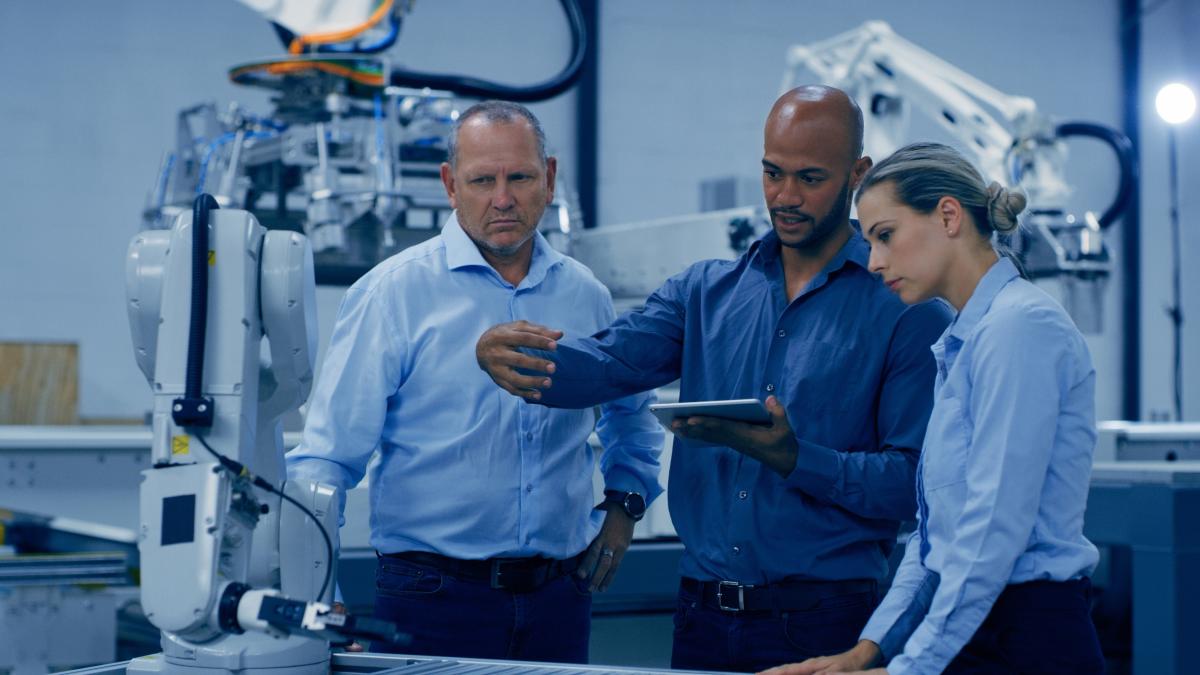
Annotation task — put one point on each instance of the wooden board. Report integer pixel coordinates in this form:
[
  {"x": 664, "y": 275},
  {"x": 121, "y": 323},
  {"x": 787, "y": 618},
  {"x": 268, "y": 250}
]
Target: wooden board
[{"x": 39, "y": 383}]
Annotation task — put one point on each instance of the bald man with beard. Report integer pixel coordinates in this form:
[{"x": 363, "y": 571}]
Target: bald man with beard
[{"x": 786, "y": 527}]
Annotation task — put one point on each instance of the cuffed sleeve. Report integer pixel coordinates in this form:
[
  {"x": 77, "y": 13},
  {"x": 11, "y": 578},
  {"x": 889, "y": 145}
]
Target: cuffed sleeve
[{"x": 905, "y": 605}]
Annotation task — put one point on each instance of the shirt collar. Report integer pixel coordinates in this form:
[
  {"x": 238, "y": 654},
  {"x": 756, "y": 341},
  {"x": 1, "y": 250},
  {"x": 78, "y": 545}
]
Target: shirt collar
[
  {"x": 856, "y": 250},
  {"x": 996, "y": 278},
  {"x": 461, "y": 253}
]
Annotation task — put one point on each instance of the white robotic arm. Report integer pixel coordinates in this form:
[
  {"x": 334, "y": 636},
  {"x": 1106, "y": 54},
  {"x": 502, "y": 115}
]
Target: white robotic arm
[
  {"x": 1012, "y": 143},
  {"x": 225, "y": 582},
  {"x": 887, "y": 73}
]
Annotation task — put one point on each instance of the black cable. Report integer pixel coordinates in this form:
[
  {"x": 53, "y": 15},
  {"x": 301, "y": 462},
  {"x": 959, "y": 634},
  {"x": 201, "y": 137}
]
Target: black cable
[
  {"x": 199, "y": 318},
  {"x": 238, "y": 469},
  {"x": 193, "y": 409},
  {"x": 1126, "y": 159},
  {"x": 472, "y": 86}
]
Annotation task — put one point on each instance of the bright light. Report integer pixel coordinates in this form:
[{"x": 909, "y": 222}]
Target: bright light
[{"x": 1175, "y": 103}]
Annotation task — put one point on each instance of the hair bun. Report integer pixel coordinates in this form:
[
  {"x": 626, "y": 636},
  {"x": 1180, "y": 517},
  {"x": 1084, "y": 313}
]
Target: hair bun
[{"x": 1003, "y": 205}]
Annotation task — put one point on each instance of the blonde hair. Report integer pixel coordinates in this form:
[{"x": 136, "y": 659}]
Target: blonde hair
[{"x": 923, "y": 173}]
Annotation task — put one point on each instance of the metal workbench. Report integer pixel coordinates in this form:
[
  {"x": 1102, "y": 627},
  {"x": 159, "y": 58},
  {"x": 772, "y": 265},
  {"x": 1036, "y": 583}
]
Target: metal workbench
[{"x": 398, "y": 664}]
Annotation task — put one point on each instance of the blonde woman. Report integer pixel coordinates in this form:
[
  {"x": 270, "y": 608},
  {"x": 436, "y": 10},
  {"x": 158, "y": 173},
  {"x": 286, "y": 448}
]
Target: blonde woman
[{"x": 995, "y": 578}]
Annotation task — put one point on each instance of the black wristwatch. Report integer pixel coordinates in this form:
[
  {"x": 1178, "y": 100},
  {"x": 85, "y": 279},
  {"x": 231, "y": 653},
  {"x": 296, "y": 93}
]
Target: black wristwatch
[{"x": 633, "y": 503}]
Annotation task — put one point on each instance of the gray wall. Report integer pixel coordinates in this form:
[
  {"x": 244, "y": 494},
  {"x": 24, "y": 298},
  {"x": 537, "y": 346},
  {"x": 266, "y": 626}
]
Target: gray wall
[
  {"x": 91, "y": 93},
  {"x": 92, "y": 89}
]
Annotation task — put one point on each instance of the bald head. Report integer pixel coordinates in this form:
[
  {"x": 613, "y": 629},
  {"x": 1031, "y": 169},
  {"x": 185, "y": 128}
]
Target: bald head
[{"x": 828, "y": 112}]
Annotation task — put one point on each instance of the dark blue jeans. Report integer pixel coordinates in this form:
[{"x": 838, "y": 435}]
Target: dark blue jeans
[
  {"x": 447, "y": 616},
  {"x": 1037, "y": 627},
  {"x": 707, "y": 638}
]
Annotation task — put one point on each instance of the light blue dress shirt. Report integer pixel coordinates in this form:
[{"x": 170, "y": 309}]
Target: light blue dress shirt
[
  {"x": 466, "y": 469},
  {"x": 848, "y": 361},
  {"x": 1004, "y": 473}
]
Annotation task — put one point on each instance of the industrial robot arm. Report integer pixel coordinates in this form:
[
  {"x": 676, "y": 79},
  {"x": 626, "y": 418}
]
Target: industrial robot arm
[
  {"x": 229, "y": 574},
  {"x": 1012, "y": 142},
  {"x": 888, "y": 74}
]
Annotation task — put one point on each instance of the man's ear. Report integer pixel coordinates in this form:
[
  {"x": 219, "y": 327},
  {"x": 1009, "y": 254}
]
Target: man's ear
[
  {"x": 551, "y": 172},
  {"x": 861, "y": 166},
  {"x": 448, "y": 183}
]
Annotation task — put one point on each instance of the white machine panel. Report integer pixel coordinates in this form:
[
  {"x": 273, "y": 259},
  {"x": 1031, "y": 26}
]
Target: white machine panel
[{"x": 181, "y": 508}]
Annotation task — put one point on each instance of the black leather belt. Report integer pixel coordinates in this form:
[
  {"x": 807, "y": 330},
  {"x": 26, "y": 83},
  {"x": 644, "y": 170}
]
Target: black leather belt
[
  {"x": 520, "y": 575},
  {"x": 731, "y": 596}
]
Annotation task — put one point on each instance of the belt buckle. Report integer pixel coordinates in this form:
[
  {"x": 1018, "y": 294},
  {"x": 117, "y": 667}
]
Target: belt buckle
[
  {"x": 522, "y": 581},
  {"x": 497, "y": 566},
  {"x": 741, "y": 595}
]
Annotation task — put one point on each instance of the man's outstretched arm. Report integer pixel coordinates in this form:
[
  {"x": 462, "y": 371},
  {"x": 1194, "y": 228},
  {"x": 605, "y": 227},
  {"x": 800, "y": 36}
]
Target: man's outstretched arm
[{"x": 641, "y": 350}]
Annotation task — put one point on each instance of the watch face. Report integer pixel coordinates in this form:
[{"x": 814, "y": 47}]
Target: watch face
[{"x": 635, "y": 505}]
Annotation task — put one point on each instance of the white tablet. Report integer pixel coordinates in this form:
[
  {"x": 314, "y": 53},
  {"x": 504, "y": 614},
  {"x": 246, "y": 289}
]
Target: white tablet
[{"x": 750, "y": 410}]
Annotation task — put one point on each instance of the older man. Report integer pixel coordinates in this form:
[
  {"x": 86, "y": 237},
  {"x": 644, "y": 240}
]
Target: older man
[
  {"x": 787, "y": 528},
  {"x": 482, "y": 505}
]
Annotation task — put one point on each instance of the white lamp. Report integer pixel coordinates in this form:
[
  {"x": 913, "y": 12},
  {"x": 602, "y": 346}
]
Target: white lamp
[{"x": 1176, "y": 104}]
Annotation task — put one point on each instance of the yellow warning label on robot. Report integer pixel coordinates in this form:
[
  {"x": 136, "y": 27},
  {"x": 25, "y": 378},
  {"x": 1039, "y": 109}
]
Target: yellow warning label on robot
[
  {"x": 212, "y": 258},
  {"x": 179, "y": 445}
]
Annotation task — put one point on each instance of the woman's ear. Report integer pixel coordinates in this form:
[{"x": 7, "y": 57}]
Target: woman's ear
[{"x": 950, "y": 212}]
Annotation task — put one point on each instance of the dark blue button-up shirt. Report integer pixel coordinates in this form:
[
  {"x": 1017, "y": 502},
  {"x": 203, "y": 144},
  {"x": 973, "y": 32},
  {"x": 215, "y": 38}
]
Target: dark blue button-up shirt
[{"x": 847, "y": 359}]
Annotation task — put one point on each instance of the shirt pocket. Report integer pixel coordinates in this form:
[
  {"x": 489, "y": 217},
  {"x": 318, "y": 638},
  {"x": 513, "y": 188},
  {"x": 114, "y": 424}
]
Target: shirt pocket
[{"x": 947, "y": 440}]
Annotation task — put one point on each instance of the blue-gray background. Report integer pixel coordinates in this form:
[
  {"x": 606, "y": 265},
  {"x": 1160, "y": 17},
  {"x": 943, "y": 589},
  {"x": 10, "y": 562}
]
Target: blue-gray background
[{"x": 91, "y": 89}]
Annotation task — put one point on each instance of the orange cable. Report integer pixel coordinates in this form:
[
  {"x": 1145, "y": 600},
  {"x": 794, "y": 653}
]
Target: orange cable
[{"x": 381, "y": 11}]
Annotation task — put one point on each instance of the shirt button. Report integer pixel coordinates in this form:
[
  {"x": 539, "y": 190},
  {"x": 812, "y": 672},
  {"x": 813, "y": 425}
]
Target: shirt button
[
  {"x": 529, "y": 488},
  {"x": 781, "y": 333},
  {"x": 529, "y": 435},
  {"x": 743, "y": 494},
  {"x": 737, "y": 550},
  {"x": 770, "y": 387}
]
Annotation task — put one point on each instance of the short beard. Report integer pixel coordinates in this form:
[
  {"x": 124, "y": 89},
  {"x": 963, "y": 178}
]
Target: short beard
[
  {"x": 505, "y": 251},
  {"x": 824, "y": 228}
]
